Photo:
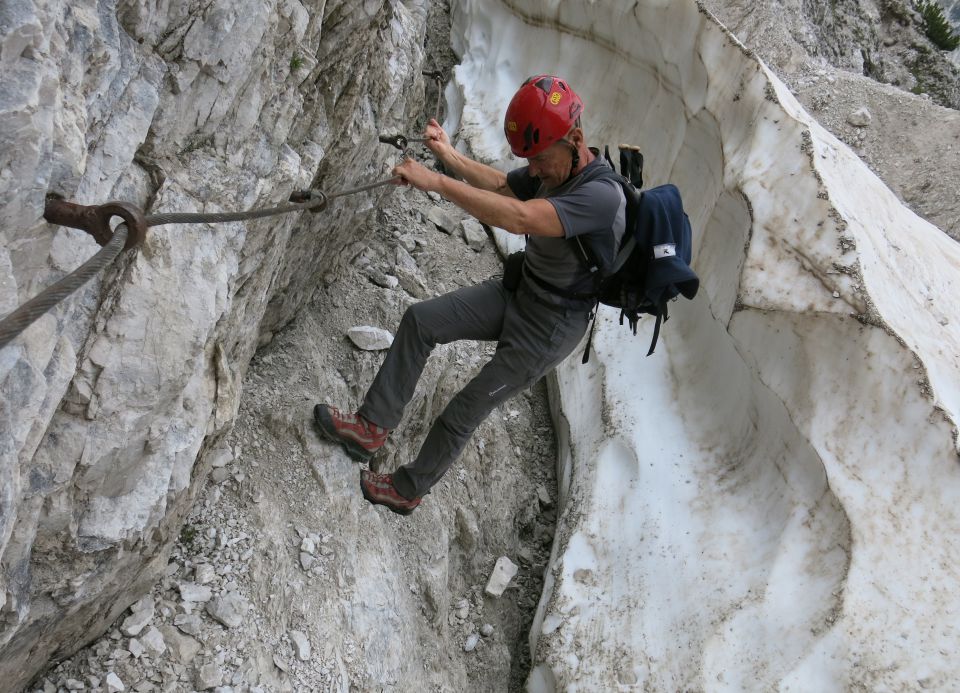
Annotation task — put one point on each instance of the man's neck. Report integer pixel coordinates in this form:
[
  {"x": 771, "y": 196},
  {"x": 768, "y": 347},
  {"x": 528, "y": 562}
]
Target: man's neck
[{"x": 586, "y": 158}]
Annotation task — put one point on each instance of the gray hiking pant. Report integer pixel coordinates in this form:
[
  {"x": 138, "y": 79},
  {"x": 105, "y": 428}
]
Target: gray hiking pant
[{"x": 532, "y": 336}]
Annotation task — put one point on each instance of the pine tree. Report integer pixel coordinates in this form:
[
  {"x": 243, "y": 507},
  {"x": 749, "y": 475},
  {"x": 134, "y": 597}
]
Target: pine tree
[{"x": 936, "y": 26}]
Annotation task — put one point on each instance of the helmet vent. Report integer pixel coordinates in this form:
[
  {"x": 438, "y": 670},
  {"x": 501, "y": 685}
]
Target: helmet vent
[
  {"x": 545, "y": 83},
  {"x": 530, "y": 136}
]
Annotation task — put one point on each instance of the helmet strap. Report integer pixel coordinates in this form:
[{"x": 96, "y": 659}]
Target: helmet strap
[{"x": 574, "y": 160}]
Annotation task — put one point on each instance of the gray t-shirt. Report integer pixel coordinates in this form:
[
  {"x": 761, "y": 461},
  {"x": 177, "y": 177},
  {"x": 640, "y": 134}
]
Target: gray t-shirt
[{"x": 594, "y": 210}]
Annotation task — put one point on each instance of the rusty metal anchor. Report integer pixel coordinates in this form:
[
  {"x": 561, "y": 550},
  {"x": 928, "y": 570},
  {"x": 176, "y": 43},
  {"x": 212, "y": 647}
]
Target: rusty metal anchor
[{"x": 95, "y": 219}]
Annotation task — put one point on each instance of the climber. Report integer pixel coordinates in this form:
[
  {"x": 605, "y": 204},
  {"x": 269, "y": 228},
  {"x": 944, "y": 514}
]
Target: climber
[{"x": 536, "y": 325}]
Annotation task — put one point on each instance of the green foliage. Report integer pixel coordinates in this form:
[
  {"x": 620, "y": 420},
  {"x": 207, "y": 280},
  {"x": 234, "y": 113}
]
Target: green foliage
[
  {"x": 936, "y": 26},
  {"x": 296, "y": 62},
  {"x": 187, "y": 534}
]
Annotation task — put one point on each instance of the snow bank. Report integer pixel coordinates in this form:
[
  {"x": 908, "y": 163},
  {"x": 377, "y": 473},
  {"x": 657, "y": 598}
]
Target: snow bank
[{"x": 771, "y": 499}]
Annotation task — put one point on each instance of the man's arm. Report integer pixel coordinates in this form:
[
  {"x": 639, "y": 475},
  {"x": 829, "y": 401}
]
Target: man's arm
[
  {"x": 536, "y": 217},
  {"x": 476, "y": 174}
]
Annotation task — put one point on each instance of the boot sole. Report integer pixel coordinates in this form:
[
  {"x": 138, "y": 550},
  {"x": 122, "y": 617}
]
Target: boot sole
[
  {"x": 356, "y": 451},
  {"x": 373, "y": 501}
]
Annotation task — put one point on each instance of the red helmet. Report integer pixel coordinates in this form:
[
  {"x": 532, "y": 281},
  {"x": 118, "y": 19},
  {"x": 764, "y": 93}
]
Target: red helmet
[{"x": 541, "y": 112}]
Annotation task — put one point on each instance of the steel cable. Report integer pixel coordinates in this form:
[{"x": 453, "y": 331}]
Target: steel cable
[{"x": 21, "y": 318}]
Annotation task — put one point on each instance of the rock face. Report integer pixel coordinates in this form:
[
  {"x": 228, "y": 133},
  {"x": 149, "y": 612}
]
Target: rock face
[
  {"x": 768, "y": 501},
  {"x": 110, "y": 400}
]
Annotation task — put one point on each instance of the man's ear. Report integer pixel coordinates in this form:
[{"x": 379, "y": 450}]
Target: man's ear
[{"x": 576, "y": 136}]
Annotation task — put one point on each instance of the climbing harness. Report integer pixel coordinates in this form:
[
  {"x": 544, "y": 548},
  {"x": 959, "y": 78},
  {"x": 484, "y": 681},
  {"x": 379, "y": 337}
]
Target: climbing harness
[{"x": 95, "y": 220}]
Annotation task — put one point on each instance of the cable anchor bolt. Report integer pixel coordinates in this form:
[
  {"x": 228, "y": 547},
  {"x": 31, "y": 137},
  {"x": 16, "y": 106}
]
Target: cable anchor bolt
[
  {"x": 95, "y": 219},
  {"x": 400, "y": 141},
  {"x": 314, "y": 200}
]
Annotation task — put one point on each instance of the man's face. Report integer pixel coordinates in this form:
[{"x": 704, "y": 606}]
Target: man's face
[{"x": 552, "y": 165}]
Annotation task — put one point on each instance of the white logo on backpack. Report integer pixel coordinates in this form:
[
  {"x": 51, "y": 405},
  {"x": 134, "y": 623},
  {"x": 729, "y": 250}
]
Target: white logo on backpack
[{"x": 665, "y": 250}]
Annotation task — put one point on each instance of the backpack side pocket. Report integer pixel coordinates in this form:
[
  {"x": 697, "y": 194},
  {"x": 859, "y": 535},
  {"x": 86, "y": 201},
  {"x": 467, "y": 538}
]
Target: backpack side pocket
[{"x": 513, "y": 270}]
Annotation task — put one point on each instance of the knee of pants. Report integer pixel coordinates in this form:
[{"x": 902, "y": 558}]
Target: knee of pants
[
  {"x": 412, "y": 320},
  {"x": 463, "y": 414}
]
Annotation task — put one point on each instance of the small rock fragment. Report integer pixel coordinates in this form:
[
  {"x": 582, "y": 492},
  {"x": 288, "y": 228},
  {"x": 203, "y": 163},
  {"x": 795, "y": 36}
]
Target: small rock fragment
[
  {"x": 302, "y": 645},
  {"x": 486, "y": 630},
  {"x": 463, "y": 609},
  {"x": 135, "y": 648},
  {"x": 441, "y": 219},
  {"x": 204, "y": 574},
  {"x": 387, "y": 281},
  {"x": 370, "y": 338},
  {"x": 473, "y": 233},
  {"x": 221, "y": 458},
  {"x": 182, "y": 647},
  {"x": 209, "y": 676},
  {"x": 412, "y": 283},
  {"x": 194, "y": 593},
  {"x": 307, "y": 560},
  {"x": 543, "y": 495},
  {"x": 113, "y": 683},
  {"x": 136, "y": 622},
  {"x": 229, "y": 609},
  {"x": 860, "y": 118},
  {"x": 220, "y": 475},
  {"x": 471, "y": 643},
  {"x": 188, "y": 623},
  {"x": 501, "y": 576},
  {"x": 74, "y": 685},
  {"x": 153, "y": 641}
]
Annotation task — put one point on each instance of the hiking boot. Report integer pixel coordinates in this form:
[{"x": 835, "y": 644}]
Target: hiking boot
[
  {"x": 359, "y": 437},
  {"x": 379, "y": 490}
]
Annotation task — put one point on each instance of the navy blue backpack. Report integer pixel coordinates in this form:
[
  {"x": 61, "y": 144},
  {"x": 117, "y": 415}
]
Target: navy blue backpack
[{"x": 652, "y": 265}]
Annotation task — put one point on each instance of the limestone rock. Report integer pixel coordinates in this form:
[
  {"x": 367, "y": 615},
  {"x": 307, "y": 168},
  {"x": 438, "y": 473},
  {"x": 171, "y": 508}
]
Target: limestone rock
[
  {"x": 182, "y": 107},
  {"x": 387, "y": 281},
  {"x": 370, "y": 338},
  {"x": 192, "y": 592},
  {"x": 204, "y": 574},
  {"x": 152, "y": 640},
  {"x": 135, "y": 622},
  {"x": 860, "y": 118},
  {"x": 442, "y": 219},
  {"x": 543, "y": 496},
  {"x": 301, "y": 645},
  {"x": 209, "y": 676},
  {"x": 188, "y": 623},
  {"x": 182, "y": 647},
  {"x": 471, "y": 644},
  {"x": 229, "y": 609},
  {"x": 473, "y": 233},
  {"x": 500, "y": 578},
  {"x": 113, "y": 683},
  {"x": 412, "y": 283}
]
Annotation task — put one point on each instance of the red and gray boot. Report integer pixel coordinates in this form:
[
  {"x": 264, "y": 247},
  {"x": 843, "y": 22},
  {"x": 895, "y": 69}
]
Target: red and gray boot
[
  {"x": 359, "y": 437},
  {"x": 379, "y": 490}
]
